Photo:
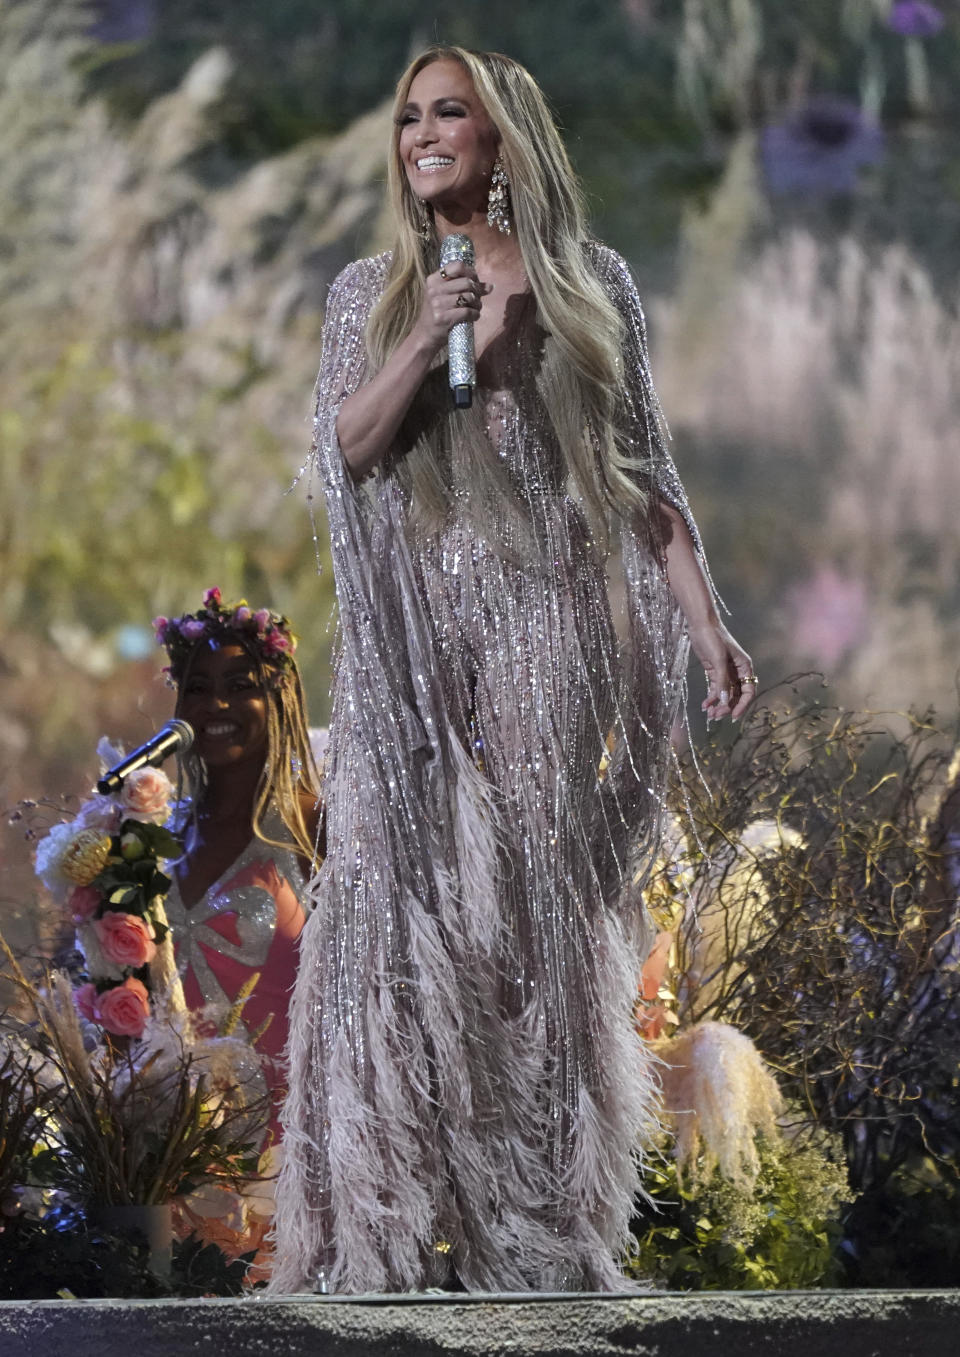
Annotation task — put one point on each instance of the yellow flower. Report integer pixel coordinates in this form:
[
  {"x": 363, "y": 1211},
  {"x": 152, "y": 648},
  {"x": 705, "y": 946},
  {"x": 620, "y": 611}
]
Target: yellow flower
[{"x": 86, "y": 857}]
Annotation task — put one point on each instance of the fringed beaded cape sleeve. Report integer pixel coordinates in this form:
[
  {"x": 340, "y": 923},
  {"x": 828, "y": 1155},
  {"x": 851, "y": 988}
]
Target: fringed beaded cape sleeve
[{"x": 468, "y": 1095}]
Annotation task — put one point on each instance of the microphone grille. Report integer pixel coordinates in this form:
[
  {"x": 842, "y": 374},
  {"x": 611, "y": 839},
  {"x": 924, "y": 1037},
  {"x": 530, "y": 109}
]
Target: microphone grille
[
  {"x": 184, "y": 733},
  {"x": 456, "y": 247}
]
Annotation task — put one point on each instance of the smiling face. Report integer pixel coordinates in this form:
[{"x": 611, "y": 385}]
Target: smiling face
[
  {"x": 222, "y": 698},
  {"x": 447, "y": 143}
]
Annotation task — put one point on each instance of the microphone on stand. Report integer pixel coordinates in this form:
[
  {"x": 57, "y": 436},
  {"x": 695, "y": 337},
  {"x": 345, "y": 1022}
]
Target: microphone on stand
[
  {"x": 175, "y": 737},
  {"x": 460, "y": 356}
]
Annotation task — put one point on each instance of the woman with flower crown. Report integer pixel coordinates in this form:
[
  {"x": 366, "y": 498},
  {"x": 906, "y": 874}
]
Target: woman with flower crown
[
  {"x": 468, "y": 1097},
  {"x": 250, "y": 825}
]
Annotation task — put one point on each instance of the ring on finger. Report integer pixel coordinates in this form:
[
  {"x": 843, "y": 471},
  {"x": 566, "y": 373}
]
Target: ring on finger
[
  {"x": 749, "y": 678},
  {"x": 462, "y": 300},
  {"x": 443, "y": 273}
]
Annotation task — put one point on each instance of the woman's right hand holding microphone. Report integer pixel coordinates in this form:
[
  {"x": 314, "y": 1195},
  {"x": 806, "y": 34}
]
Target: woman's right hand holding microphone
[
  {"x": 369, "y": 419},
  {"x": 452, "y": 295}
]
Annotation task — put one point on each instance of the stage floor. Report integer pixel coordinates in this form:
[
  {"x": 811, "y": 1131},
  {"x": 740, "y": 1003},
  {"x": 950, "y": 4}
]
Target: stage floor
[{"x": 728, "y": 1324}]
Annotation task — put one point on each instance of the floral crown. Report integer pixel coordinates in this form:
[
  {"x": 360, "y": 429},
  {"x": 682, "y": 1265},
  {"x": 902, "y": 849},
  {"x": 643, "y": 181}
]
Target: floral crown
[{"x": 266, "y": 632}]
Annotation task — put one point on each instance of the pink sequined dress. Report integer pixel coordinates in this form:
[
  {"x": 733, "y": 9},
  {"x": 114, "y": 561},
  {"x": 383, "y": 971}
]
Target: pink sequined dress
[
  {"x": 248, "y": 922},
  {"x": 468, "y": 1094}
]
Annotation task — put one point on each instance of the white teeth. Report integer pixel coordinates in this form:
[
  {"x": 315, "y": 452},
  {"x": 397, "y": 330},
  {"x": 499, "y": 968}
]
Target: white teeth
[
  {"x": 220, "y": 728},
  {"x": 434, "y": 162}
]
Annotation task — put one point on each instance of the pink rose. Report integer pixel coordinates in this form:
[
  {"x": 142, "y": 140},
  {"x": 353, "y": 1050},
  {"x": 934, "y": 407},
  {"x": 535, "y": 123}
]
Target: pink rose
[
  {"x": 192, "y": 629},
  {"x": 160, "y": 625},
  {"x": 212, "y": 596},
  {"x": 124, "y": 1010},
  {"x": 83, "y": 903},
  {"x": 125, "y": 939},
  {"x": 276, "y": 643},
  {"x": 262, "y": 618},
  {"x": 146, "y": 794},
  {"x": 85, "y": 1000}
]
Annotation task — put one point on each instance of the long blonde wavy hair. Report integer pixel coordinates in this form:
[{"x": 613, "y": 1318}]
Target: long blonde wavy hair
[{"x": 581, "y": 376}]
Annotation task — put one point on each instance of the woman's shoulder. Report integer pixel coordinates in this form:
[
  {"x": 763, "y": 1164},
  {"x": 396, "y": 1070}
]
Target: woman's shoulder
[
  {"x": 609, "y": 266},
  {"x": 363, "y": 277}
]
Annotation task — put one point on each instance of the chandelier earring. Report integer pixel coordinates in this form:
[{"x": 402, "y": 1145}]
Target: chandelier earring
[
  {"x": 424, "y": 220},
  {"x": 498, "y": 202}
]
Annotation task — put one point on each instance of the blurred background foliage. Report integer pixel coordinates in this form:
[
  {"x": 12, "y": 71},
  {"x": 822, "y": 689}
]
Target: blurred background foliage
[{"x": 181, "y": 179}]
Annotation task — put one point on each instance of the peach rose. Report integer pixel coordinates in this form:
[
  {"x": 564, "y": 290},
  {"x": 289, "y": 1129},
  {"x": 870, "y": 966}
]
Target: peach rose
[
  {"x": 124, "y": 1010},
  {"x": 85, "y": 1001},
  {"x": 83, "y": 903},
  {"x": 125, "y": 939},
  {"x": 146, "y": 794}
]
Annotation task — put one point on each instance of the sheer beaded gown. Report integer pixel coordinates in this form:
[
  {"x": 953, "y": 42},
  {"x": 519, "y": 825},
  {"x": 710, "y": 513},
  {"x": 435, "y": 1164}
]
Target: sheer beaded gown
[{"x": 468, "y": 1095}]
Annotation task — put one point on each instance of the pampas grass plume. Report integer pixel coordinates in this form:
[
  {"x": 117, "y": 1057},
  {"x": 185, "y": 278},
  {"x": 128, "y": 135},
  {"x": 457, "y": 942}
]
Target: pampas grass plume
[{"x": 718, "y": 1095}]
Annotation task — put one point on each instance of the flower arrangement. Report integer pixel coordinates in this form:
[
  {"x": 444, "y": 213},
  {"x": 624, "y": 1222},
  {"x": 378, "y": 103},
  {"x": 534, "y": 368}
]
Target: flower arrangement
[
  {"x": 745, "y": 1195},
  {"x": 143, "y": 1106},
  {"x": 810, "y": 896},
  {"x": 268, "y": 633},
  {"x": 104, "y": 868},
  {"x": 721, "y": 1210},
  {"x": 780, "y": 1233},
  {"x": 111, "y": 1124}
]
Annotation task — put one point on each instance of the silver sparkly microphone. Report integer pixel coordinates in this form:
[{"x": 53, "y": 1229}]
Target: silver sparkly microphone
[{"x": 460, "y": 357}]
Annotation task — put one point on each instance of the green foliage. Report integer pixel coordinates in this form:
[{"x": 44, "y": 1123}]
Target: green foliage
[
  {"x": 906, "y": 1230},
  {"x": 713, "y": 1236},
  {"x": 307, "y": 70},
  {"x": 81, "y": 536},
  {"x": 59, "y": 1256},
  {"x": 124, "y": 492},
  {"x": 20, "y": 1099},
  {"x": 830, "y": 948},
  {"x": 132, "y": 880},
  {"x": 201, "y": 1269},
  {"x": 44, "y": 144},
  {"x": 62, "y": 1255}
]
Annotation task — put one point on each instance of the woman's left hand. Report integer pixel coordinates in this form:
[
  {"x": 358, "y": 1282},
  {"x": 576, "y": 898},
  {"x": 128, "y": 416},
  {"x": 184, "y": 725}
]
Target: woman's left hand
[{"x": 731, "y": 682}]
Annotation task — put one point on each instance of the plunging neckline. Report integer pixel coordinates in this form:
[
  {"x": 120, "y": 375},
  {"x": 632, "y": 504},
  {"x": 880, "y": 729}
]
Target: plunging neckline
[
  {"x": 193, "y": 823},
  {"x": 285, "y": 858},
  {"x": 511, "y": 330},
  {"x": 237, "y": 863}
]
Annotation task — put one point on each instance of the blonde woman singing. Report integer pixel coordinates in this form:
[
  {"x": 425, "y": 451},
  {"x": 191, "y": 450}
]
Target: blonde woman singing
[{"x": 468, "y": 1099}]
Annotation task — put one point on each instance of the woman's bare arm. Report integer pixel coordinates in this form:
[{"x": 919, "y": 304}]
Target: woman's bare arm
[
  {"x": 368, "y": 420},
  {"x": 726, "y": 664}
]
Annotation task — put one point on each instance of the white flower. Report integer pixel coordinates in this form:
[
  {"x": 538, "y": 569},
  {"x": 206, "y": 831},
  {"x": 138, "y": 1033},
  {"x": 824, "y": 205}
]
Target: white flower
[
  {"x": 100, "y": 812},
  {"x": 51, "y": 852}
]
